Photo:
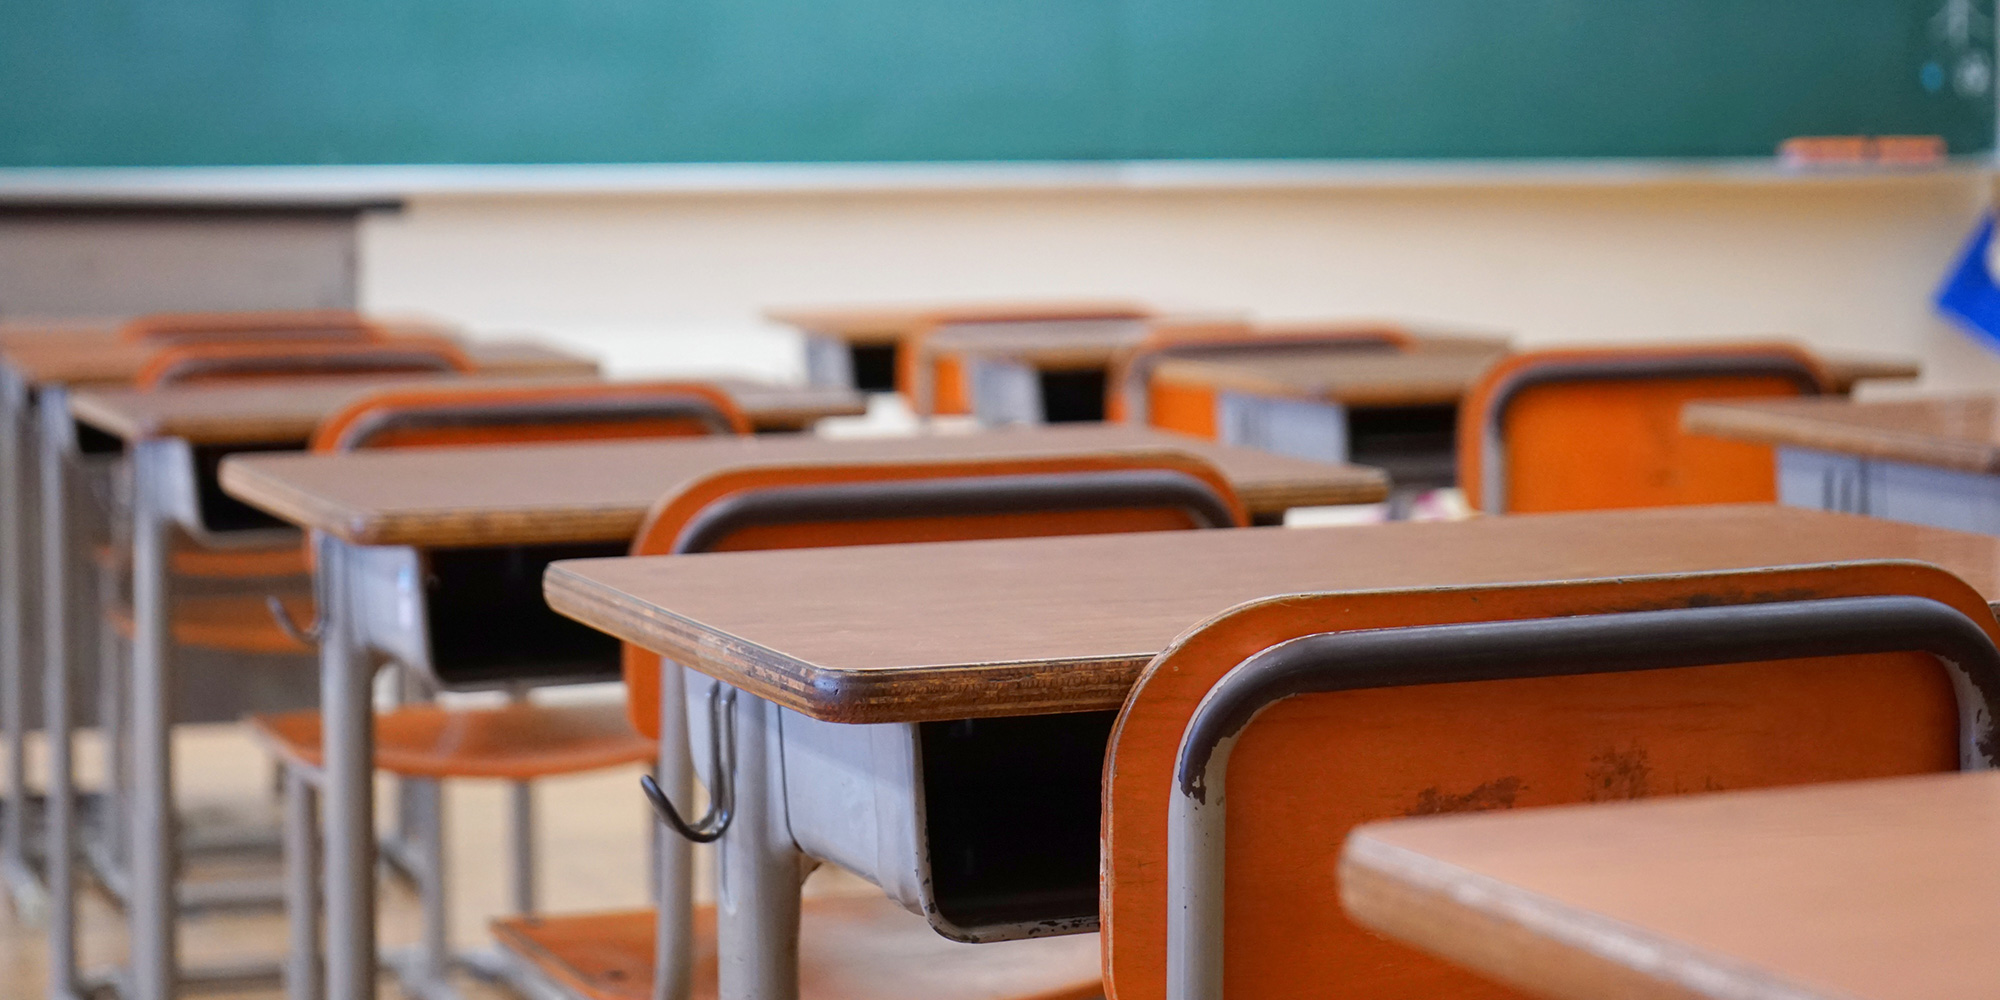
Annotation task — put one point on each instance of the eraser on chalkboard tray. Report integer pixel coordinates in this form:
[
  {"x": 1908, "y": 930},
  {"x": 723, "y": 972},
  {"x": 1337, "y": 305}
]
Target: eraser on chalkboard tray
[{"x": 1835, "y": 151}]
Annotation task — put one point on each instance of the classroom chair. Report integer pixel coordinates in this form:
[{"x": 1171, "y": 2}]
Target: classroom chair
[
  {"x": 423, "y": 744},
  {"x": 1293, "y": 719},
  {"x": 262, "y": 360},
  {"x": 938, "y": 385},
  {"x": 1131, "y": 395},
  {"x": 225, "y": 571},
  {"x": 1591, "y": 428},
  {"x": 248, "y": 327},
  {"x": 850, "y": 947}
]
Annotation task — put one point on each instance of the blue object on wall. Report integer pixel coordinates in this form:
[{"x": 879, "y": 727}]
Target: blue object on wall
[{"x": 1969, "y": 295}]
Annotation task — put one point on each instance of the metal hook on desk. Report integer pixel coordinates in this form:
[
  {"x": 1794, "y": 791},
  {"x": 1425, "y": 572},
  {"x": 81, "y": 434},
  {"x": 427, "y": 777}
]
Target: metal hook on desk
[
  {"x": 307, "y": 634},
  {"x": 721, "y": 778}
]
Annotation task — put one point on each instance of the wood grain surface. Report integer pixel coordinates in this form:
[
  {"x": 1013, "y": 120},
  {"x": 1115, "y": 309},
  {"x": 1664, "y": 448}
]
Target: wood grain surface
[
  {"x": 1039, "y": 347},
  {"x": 92, "y": 356},
  {"x": 1414, "y": 378},
  {"x": 895, "y": 633},
  {"x": 881, "y": 324},
  {"x": 601, "y": 492},
  {"x": 290, "y": 410},
  {"x": 1880, "y": 890},
  {"x": 1959, "y": 432}
]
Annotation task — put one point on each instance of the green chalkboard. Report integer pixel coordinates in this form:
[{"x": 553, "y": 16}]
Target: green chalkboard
[{"x": 226, "y": 82}]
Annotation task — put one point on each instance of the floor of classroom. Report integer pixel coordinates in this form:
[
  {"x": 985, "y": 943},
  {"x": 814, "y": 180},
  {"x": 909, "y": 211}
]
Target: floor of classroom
[{"x": 591, "y": 830}]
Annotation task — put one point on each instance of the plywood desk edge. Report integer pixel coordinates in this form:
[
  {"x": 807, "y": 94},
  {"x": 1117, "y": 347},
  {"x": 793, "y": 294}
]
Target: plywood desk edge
[
  {"x": 1526, "y": 939},
  {"x": 1220, "y": 376},
  {"x": 248, "y": 479},
  {"x": 1763, "y": 425},
  {"x": 917, "y": 694}
]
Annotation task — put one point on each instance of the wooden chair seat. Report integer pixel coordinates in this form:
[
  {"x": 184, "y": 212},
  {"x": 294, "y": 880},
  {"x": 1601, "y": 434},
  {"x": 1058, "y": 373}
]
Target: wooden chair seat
[
  {"x": 865, "y": 948},
  {"x": 518, "y": 742},
  {"x": 197, "y": 563},
  {"x": 237, "y": 623}
]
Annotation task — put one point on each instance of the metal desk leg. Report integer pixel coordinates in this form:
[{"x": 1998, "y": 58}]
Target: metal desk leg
[
  {"x": 23, "y": 886},
  {"x": 673, "y": 942},
  {"x": 59, "y": 850},
  {"x": 762, "y": 871},
  {"x": 347, "y": 716},
  {"x": 151, "y": 809}
]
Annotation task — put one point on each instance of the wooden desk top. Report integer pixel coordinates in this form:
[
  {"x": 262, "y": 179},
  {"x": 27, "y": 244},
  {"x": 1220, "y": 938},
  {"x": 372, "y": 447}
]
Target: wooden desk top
[
  {"x": 1433, "y": 375},
  {"x": 601, "y": 492},
  {"x": 1876, "y": 890},
  {"x": 1960, "y": 432},
  {"x": 95, "y": 357},
  {"x": 289, "y": 411},
  {"x": 1043, "y": 347},
  {"x": 1843, "y": 370},
  {"x": 1351, "y": 378},
  {"x": 888, "y": 324},
  {"x": 902, "y": 632}
]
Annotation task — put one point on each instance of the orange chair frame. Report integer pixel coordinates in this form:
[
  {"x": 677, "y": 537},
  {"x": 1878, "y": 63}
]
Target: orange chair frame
[
  {"x": 261, "y": 326},
  {"x": 255, "y": 360},
  {"x": 362, "y": 419},
  {"x": 1595, "y": 428},
  {"x": 1384, "y": 751}
]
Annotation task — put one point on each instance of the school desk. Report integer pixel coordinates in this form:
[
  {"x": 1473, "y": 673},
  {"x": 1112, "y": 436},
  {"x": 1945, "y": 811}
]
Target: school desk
[
  {"x": 1398, "y": 409},
  {"x": 176, "y": 438},
  {"x": 375, "y": 514},
  {"x": 890, "y": 348},
  {"x": 1035, "y": 375},
  {"x": 1393, "y": 411},
  {"x": 844, "y": 657},
  {"x": 1928, "y": 461},
  {"x": 1868, "y": 890},
  {"x": 39, "y": 365}
]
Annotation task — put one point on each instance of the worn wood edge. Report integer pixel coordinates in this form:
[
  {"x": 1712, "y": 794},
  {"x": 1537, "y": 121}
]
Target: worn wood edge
[
  {"x": 84, "y": 408},
  {"x": 1532, "y": 942},
  {"x": 1817, "y": 434},
  {"x": 845, "y": 696},
  {"x": 1221, "y": 377},
  {"x": 1280, "y": 496},
  {"x": 273, "y": 496}
]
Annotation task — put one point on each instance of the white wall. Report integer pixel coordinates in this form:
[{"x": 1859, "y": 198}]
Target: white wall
[{"x": 675, "y": 283}]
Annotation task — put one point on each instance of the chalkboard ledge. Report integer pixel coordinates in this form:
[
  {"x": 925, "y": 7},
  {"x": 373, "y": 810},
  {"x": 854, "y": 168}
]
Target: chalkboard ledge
[{"x": 360, "y": 185}]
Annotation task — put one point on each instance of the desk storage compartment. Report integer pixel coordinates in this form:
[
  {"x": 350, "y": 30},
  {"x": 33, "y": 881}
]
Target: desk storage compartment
[
  {"x": 219, "y": 512},
  {"x": 988, "y": 827},
  {"x": 488, "y": 622},
  {"x": 1416, "y": 445},
  {"x": 475, "y": 618}
]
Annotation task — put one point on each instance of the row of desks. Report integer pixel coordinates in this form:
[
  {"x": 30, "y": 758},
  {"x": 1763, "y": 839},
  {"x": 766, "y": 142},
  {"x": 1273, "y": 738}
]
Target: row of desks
[
  {"x": 369, "y": 505},
  {"x": 890, "y": 635},
  {"x": 52, "y": 377}
]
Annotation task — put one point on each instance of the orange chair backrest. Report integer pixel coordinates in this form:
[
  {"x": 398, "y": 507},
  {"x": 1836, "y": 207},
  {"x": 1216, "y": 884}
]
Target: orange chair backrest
[
  {"x": 433, "y": 416},
  {"x": 1310, "y": 767},
  {"x": 674, "y": 521},
  {"x": 1590, "y": 429},
  {"x": 253, "y": 361},
  {"x": 1131, "y": 395},
  {"x": 229, "y": 327},
  {"x": 936, "y": 385}
]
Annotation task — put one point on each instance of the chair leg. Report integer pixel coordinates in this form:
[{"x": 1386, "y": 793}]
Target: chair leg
[
  {"x": 434, "y": 957},
  {"x": 521, "y": 802},
  {"x": 111, "y": 726},
  {"x": 302, "y": 966}
]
